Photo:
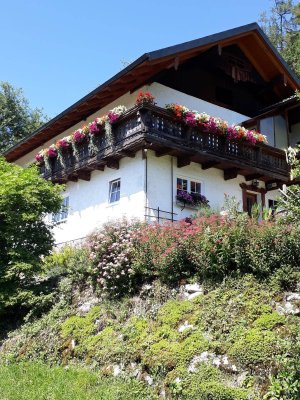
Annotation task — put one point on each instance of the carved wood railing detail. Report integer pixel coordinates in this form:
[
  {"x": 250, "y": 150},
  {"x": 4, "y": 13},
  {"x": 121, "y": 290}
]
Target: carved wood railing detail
[{"x": 144, "y": 125}]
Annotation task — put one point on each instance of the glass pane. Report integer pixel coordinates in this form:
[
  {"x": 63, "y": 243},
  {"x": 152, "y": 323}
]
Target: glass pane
[
  {"x": 267, "y": 128},
  {"x": 280, "y": 132},
  {"x": 182, "y": 184},
  {"x": 115, "y": 191},
  {"x": 195, "y": 187}
]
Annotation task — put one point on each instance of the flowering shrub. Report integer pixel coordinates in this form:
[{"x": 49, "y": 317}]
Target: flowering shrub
[
  {"x": 111, "y": 254},
  {"x": 215, "y": 247},
  {"x": 161, "y": 251},
  {"x": 144, "y": 98},
  {"x": 214, "y": 125}
]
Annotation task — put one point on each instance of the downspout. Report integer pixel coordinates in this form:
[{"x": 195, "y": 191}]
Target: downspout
[
  {"x": 172, "y": 188},
  {"x": 144, "y": 155}
]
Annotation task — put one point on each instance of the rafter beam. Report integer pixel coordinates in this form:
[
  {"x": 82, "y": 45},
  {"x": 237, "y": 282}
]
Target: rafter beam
[
  {"x": 209, "y": 164},
  {"x": 230, "y": 173},
  {"x": 163, "y": 152},
  {"x": 113, "y": 164},
  {"x": 183, "y": 161},
  {"x": 84, "y": 175},
  {"x": 252, "y": 176}
]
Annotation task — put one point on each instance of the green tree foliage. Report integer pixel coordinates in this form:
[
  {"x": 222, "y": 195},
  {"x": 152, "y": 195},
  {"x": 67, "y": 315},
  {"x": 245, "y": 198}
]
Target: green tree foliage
[
  {"x": 17, "y": 119},
  {"x": 282, "y": 27},
  {"x": 289, "y": 202},
  {"x": 25, "y": 200}
]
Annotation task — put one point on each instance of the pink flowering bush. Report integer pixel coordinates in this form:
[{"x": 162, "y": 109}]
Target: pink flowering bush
[
  {"x": 211, "y": 248},
  {"x": 111, "y": 253}
]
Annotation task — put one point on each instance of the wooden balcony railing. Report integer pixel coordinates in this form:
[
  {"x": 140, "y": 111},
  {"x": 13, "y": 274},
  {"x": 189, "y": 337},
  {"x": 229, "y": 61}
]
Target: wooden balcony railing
[{"x": 152, "y": 127}]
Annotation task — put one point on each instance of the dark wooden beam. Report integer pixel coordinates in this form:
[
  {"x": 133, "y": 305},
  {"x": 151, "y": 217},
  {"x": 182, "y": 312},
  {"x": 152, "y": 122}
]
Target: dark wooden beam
[
  {"x": 252, "y": 176},
  {"x": 127, "y": 153},
  {"x": 99, "y": 167},
  {"x": 230, "y": 173},
  {"x": 84, "y": 175},
  {"x": 73, "y": 177},
  {"x": 163, "y": 152},
  {"x": 208, "y": 164},
  {"x": 114, "y": 164},
  {"x": 183, "y": 162}
]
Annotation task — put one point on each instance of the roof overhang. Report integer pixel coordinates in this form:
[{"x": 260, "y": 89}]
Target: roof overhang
[{"x": 250, "y": 38}]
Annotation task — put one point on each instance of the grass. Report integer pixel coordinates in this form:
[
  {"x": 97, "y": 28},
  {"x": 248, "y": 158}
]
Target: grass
[{"x": 37, "y": 381}]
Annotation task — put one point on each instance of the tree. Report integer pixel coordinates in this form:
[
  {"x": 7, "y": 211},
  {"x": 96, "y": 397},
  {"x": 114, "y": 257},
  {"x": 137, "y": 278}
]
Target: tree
[
  {"x": 289, "y": 201},
  {"x": 282, "y": 27},
  {"x": 25, "y": 236},
  {"x": 17, "y": 119}
]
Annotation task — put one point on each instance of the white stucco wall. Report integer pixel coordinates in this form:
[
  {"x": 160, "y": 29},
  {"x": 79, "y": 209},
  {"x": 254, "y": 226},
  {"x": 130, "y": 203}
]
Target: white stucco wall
[
  {"x": 161, "y": 193},
  {"x": 88, "y": 200},
  {"x": 165, "y": 95}
]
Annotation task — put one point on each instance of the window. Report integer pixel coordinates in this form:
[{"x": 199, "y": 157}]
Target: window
[
  {"x": 273, "y": 204},
  {"x": 185, "y": 185},
  {"x": 62, "y": 215},
  {"x": 114, "y": 190}
]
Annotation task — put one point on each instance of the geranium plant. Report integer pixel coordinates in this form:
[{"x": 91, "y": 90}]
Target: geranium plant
[
  {"x": 144, "y": 98},
  {"x": 64, "y": 143},
  {"x": 214, "y": 125},
  {"x": 193, "y": 199}
]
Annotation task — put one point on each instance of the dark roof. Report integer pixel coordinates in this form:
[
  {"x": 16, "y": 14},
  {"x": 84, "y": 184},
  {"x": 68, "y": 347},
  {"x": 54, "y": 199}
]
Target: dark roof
[{"x": 147, "y": 66}]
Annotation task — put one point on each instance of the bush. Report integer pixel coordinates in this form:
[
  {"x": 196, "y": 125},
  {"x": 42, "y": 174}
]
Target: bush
[
  {"x": 73, "y": 262},
  {"x": 111, "y": 254},
  {"x": 214, "y": 247}
]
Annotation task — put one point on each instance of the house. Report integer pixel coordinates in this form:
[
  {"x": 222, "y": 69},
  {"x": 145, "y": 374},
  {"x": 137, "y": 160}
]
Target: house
[{"x": 149, "y": 161}]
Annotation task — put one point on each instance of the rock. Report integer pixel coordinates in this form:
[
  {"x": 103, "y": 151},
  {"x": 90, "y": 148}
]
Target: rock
[
  {"x": 221, "y": 362},
  {"x": 293, "y": 297},
  {"x": 287, "y": 308},
  {"x": 84, "y": 308},
  {"x": 148, "y": 379},
  {"x": 117, "y": 369},
  {"x": 192, "y": 288},
  {"x": 184, "y": 326},
  {"x": 193, "y": 295}
]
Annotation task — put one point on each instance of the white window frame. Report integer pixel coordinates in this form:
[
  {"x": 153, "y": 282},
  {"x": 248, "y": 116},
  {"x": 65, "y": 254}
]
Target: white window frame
[
  {"x": 189, "y": 181},
  {"x": 63, "y": 214},
  {"x": 114, "y": 191}
]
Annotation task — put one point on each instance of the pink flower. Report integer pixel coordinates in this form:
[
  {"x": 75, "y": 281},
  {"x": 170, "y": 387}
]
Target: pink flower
[{"x": 112, "y": 117}]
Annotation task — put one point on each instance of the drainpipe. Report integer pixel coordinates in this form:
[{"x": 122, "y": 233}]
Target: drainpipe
[
  {"x": 144, "y": 155},
  {"x": 172, "y": 189}
]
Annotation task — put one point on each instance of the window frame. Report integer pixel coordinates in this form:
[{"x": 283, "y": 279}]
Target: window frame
[
  {"x": 189, "y": 182},
  {"x": 63, "y": 214},
  {"x": 114, "y": 192}
]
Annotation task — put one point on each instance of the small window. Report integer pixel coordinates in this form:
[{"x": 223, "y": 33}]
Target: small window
[
  {"x": 273, "y": 204},
  {"x": 62, "y": 215},
  {"x": 114, "y": 190},
  {"x": 182, "y": 185}
]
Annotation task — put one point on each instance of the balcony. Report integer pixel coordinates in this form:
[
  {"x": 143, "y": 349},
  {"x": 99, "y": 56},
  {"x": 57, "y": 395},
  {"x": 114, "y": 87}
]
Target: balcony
[{"x": 151, "y": 127}]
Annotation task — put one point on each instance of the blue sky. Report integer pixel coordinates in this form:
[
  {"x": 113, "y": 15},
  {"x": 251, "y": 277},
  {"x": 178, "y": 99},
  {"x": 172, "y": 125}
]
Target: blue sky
[{"x": 59, "y": 50}]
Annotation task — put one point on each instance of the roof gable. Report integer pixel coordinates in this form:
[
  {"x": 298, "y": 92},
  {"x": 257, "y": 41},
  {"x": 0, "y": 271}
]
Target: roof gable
[{"x": 250, "y": 38}]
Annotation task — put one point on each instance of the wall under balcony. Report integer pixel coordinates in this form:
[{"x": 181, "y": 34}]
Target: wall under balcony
[{"x": 89, "y": 207}]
